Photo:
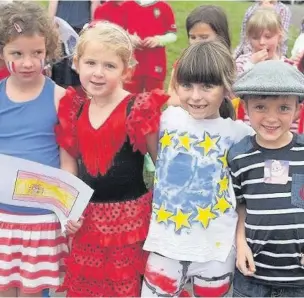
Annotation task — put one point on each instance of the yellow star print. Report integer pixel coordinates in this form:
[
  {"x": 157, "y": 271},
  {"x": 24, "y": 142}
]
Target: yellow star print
[
  {"x": 204, "y": 215},
  {"x": 222, "y": 204},
  {"x": 223, "y": 183},
  {"x": 184, "y": 141},
  {"x": 209, "y": 143},
  {"x": 223, "y": 159},
  {"x": 166, "y": 140},
  {"x": 162, "y": 214},
  {"x": 181, "y": 220}
]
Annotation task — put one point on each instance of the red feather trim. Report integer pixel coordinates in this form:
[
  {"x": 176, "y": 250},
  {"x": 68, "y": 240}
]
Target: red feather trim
[
  {"x": 98, "y": 147},
  {"x": 241, "y": 112},
  {"x": 301, "y": 121},
  {"x": 144, "y": 118},
  {"x": 65, "y": 130}
]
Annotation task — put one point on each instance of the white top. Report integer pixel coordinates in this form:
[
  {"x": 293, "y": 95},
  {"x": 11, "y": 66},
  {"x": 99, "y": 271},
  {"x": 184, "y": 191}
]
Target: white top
[
  {"x": 298, "y": 45},
  {"x": 194, "y": 217}
]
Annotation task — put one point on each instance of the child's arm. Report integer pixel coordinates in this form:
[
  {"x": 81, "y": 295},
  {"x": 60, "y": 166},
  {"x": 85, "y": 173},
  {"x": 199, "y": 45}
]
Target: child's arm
[
  {"x": 52, "y": 9},
  {"x": 244, "y": 257},
  {"x": 152, "y": 142},
  {"x": 159, "y": 40},
  {"x": 169, "y": 27},
  {"x": 94, "y": 5},
  {"x": 68, "y": 163}
]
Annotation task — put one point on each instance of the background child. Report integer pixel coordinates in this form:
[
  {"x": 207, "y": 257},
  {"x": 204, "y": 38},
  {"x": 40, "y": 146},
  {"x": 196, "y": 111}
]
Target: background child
[
  {"x": 206, "y": 22},
  {"x": 268, "y": 177},
  {"x": 153, "y": 22},
  {"x": 298, "y": 47},
  {"x": 108, "y": 135},
  {"x": 281, "y": 9},
  {"x": 191, "y": 234},
  {"x": 32, "y": 244},
  {"x": 264, "y": 31}
]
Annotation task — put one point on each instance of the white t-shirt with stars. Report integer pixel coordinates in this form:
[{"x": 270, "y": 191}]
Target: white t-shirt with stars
[{"x": 194, "y": 217}]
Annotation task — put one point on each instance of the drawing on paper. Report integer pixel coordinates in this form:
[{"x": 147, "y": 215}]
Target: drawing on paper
[{"x": 44, "y": 189}]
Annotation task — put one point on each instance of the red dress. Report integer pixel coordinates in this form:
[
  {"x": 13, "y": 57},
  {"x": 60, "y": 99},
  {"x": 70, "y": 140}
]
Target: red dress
[{"x": 107, "y": 257}]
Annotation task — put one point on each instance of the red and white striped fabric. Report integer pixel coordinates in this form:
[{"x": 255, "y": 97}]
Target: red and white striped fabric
[{"x": 32, "y": 250}]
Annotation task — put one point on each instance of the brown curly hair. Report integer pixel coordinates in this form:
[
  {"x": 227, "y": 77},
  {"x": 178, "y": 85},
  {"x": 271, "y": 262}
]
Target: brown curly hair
[{"x": 32, "y": 19}]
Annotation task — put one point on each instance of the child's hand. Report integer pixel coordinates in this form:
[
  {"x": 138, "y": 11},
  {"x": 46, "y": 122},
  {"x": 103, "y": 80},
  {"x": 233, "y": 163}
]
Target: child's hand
[
  {"x": 73, "y": 226},
  {"x": 136, "y": 40},
  {"x": 259, "y": 56},
  {"x": 151, "y": 42},
  {"x": 244, "y": 259}
]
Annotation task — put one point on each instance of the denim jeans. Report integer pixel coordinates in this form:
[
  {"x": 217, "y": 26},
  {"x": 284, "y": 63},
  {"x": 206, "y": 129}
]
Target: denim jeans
[{"x": 245, "y": 287}]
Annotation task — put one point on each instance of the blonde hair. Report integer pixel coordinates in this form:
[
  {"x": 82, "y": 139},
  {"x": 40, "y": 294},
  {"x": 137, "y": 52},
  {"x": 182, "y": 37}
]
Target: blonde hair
[
  {"x": 112, "y": 36},
  {"x": 208, "y": 62},
  {"x": 264, "y": 19},
  {"x": 19, "y": 18}
]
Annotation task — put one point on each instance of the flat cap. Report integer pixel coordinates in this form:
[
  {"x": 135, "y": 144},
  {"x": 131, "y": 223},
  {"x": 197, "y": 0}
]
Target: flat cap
[{"x": 272, "y": 77}]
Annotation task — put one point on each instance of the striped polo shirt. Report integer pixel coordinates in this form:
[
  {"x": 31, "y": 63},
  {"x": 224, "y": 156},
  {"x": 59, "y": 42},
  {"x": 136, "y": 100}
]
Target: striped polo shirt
[{"x": 271, "y": 184}]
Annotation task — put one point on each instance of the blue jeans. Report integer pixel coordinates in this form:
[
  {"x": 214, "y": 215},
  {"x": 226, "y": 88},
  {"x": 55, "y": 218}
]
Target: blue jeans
[{"x": 245, "y": 287}]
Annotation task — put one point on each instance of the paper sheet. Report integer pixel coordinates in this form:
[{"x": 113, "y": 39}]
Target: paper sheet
[{"x": 30, "y": 184}]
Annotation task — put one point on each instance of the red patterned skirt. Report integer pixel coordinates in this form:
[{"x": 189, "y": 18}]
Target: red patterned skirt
[{"x": 107, "y": 259}]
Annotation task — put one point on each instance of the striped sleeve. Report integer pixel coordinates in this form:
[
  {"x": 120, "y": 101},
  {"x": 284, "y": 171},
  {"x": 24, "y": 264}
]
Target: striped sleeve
[{"x": 236, "y": 182}]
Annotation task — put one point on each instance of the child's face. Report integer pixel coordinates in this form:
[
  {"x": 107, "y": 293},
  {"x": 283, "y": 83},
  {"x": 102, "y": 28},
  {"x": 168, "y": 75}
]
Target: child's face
[
  {"x": 271, "y": 118},
  {"x": 201, "y": 101},
  {"x": 201, "y": 32},
  {"x": 266, "y": 40},
  {"x": 25, "y": 57},
  {"x": 101, "y": 70}
]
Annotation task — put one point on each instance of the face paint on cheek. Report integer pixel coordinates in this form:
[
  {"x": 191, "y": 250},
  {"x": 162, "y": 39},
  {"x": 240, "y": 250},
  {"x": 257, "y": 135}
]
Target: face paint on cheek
[{"x": 11, "y": 67}]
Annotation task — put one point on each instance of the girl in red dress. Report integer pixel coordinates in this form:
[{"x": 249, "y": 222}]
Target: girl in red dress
[{"x": 106, "y": 135}]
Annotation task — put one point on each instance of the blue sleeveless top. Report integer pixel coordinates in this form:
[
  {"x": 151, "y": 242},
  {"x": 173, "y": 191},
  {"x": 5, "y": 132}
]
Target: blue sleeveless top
[{"x": 27, "y": 131}]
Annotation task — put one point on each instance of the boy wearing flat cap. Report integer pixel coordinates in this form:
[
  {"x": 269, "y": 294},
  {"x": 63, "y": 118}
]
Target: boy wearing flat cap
[{"x": 267, "y": 170}]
